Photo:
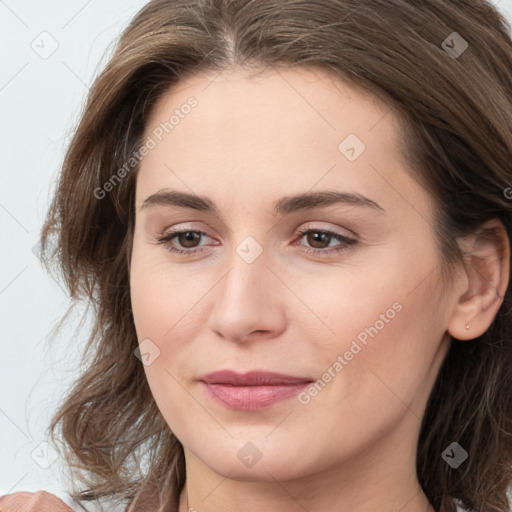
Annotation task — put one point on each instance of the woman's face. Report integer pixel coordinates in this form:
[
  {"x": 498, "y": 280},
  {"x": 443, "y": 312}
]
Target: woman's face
[{"x": 308, "y": 251}]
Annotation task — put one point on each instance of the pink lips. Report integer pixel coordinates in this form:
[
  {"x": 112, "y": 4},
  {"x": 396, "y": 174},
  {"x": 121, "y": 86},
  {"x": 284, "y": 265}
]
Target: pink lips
[{"x": 253, "y": 390}]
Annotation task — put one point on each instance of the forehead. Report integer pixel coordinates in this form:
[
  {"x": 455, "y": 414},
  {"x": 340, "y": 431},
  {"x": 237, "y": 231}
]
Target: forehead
[
  {"x": 244, "y": 135},
  {"x": 298, "y": 102}
]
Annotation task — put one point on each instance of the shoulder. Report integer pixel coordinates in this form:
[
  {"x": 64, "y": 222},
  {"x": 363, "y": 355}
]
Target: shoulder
[
  {"x": 56, "y": 501},
  {"x": 40, "y": 501}
]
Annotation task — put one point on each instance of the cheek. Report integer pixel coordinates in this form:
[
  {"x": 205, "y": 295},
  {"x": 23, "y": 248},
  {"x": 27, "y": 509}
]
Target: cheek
[
  {"x": 159, "y": 304},
  {"x": 380, "y": 332},
  {"x": 383, "y": 357},
  {"x": 167, "y": 306},
  {"x": 160, "y": 295}
]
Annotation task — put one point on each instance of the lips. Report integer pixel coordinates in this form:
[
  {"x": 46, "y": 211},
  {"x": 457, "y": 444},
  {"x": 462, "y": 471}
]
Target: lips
[
  {"x": 254, "y": 378},
  {"x": 251, "y": 391}
]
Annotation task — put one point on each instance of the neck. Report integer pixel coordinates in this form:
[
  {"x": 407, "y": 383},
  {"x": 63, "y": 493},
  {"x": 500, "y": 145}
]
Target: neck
[{"x": 417, "y": 503}]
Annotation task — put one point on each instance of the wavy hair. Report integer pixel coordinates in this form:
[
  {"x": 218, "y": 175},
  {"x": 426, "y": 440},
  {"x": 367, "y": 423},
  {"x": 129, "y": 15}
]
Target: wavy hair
[{"x": 455, "y": 112}]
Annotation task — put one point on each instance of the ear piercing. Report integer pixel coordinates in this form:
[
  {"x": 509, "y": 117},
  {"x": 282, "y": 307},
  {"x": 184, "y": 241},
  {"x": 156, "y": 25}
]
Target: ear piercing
[{"x": 467, "y": 326}]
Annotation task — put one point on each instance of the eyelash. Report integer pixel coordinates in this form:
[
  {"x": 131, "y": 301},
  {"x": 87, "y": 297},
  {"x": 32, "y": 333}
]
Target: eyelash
[{"x": 190, "y": 252}]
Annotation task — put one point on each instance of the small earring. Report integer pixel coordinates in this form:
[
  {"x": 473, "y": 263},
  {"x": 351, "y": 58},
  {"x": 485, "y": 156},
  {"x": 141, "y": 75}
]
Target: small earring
[{"x": 467, "y": 326}]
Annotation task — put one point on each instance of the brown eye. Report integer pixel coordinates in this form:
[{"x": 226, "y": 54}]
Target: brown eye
[
  {"x": 184, "y": 242},
  {"x": 188, "y": 238},
  {"x": 319, "y": 241}
]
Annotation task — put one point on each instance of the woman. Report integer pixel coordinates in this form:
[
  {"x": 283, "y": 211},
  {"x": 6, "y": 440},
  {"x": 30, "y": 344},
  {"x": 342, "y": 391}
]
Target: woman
[{"x": 293, "y": 219}]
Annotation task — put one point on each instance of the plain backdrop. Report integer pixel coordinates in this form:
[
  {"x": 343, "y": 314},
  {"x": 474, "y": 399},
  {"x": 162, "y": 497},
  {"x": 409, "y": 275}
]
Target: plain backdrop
[{"x": 49, "y": 54}]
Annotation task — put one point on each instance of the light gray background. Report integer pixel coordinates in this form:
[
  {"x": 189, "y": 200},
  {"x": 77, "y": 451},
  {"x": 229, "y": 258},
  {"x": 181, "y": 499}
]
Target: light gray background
[{"x": 40, "y": 99}]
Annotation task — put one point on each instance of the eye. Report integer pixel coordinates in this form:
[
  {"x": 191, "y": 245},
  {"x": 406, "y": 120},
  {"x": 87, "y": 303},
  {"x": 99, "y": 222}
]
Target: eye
[
  {"x": 320, "y": 239},
  {"x": 186, "y": 238}
]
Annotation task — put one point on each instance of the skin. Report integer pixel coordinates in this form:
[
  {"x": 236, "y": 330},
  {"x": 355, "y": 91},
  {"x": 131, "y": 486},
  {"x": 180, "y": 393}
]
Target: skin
[{"x": 249, "y": 142}]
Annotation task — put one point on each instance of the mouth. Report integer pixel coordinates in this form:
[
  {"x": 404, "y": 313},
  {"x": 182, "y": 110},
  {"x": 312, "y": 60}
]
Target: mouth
[{"x": 251, "y": 391}]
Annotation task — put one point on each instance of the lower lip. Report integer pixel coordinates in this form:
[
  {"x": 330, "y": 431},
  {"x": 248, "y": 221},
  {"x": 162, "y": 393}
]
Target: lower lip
[{"x": 252, "y": 398}]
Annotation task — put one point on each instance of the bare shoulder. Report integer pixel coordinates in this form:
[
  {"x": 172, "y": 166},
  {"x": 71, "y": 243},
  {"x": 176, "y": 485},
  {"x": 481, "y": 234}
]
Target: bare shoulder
[{"x": 40, "y": 501}]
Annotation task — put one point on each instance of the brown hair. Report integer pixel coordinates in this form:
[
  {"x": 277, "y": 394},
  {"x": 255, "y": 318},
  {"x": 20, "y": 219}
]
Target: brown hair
[{"x": 456, "y": 113}]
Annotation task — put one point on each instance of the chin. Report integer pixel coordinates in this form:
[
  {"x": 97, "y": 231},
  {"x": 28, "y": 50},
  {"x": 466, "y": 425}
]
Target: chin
[{"x": 246, "y": 461}]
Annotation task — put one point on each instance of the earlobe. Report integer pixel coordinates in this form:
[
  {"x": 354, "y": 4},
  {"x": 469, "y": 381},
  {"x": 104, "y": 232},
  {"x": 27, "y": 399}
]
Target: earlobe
[{"x": 487, "y": 269}]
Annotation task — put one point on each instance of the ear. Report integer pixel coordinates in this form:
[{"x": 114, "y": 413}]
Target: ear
[{"x": 486, "y": 274}]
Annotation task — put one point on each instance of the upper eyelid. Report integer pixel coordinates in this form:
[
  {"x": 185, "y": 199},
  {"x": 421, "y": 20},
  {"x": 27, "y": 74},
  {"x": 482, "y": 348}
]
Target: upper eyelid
[
  {"x": 306, "y": 227},
  {"x": 334, "y": 231},
  {"x": 299, "y": 233}
]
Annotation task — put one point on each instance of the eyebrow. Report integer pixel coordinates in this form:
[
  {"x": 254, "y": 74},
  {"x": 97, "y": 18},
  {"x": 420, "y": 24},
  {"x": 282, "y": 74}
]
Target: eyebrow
[{"x": 283, "y": 206}]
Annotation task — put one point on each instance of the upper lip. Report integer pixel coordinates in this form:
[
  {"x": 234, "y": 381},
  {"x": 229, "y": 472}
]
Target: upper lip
[{"x": 253, "y": 378}]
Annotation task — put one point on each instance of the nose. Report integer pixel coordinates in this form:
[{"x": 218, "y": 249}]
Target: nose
[{"x": 249, "y": 303}]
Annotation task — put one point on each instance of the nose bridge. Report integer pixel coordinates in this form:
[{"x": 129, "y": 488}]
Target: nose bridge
[
  {"x": 244, "y": 301},
  {"x": 243, "y": 287},
  {"x": 248, "y": 271}
]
